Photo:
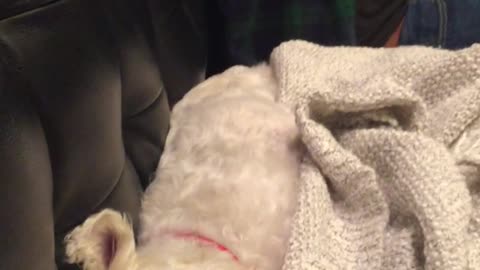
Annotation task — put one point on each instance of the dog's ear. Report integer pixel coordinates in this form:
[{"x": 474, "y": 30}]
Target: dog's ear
[{"x": 104, "y": 241}]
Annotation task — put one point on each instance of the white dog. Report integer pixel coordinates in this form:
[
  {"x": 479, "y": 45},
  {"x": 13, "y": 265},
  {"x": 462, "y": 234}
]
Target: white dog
[{"x": 225, "y": 189}]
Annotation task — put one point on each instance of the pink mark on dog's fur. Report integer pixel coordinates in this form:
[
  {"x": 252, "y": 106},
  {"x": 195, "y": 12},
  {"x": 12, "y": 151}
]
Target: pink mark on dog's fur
[{"x": 205, "y": 240}]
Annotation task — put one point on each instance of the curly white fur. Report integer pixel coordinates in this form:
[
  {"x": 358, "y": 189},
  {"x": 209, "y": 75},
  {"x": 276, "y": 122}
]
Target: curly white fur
[{"x": 229, "y": 172}]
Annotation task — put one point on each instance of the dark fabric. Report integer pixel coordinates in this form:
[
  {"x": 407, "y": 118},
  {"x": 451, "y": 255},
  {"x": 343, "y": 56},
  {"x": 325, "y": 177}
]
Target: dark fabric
[
  {"x": 180, "y": 43},
  {"x": 84, "y": 113},
  {"x": 249, "y": 29},
  {"x": 449, "y": 24},
  {"x": 376, "y": 20},
  {"x": 26, "y": 212},
  {"x": 10, "y": 8}
]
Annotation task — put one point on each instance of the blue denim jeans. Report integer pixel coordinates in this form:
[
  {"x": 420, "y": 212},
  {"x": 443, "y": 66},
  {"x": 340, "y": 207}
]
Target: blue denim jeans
[{"x": 449, "y": 24}]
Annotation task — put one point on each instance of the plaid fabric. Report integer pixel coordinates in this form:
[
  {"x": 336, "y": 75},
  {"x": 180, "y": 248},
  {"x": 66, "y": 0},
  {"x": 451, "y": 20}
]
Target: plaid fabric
[
  {"x": 250, "y": 29},
  {"x": 254, "y": 27}
]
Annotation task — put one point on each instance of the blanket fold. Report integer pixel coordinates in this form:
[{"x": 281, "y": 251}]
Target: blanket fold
[{"x": 390, "y": 178}]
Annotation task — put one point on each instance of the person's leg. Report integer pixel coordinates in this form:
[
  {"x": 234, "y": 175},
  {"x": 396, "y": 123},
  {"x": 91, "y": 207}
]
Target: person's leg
[
  {"x": 421, "y": 25},
  {"x": 463, "y": 23},
  {"x": 449, "y": 24}
]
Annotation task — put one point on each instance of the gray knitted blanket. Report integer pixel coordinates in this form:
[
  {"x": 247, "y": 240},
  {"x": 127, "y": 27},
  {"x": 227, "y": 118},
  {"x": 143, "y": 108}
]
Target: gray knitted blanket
[{"x": 390, "y": 179}]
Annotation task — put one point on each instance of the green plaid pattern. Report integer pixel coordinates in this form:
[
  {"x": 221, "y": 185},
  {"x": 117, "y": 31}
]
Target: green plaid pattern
[{"x": 254, "y": 27}]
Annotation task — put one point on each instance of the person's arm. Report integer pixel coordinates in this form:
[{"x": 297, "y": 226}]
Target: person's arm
[
  {"x": 395, "y": 37},
  {"x": 26, "y": 213}
]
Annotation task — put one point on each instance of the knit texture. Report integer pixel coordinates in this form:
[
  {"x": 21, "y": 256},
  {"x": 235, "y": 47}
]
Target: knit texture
[{"x": 389, "y": 179}]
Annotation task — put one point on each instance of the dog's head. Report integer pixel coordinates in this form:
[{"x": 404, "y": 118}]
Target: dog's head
[{"x": 105, "y": 241}]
